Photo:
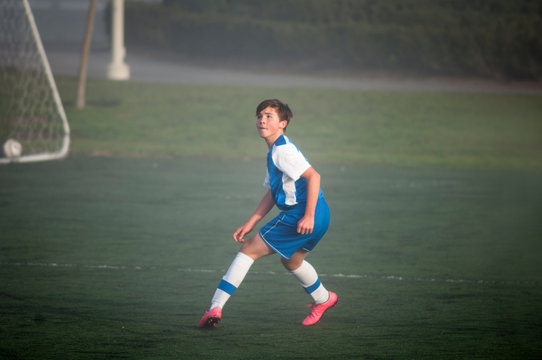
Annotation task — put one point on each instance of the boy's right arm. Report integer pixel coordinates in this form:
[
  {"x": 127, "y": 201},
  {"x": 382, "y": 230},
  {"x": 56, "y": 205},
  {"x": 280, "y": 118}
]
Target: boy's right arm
[{"x": 266, "y": 204}]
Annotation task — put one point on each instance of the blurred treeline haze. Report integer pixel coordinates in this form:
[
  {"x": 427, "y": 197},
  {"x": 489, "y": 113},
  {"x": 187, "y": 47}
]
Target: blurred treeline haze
[{"x": 499, "y": 39}]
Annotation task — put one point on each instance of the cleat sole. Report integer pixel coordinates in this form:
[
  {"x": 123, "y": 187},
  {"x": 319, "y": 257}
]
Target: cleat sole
[{"x": 212, "y": 322}]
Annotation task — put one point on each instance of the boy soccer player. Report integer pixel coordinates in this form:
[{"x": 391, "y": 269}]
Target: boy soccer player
[{"x": 294, "y": 187}]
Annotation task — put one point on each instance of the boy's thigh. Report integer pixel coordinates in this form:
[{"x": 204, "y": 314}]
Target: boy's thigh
[
  {"x": 295, "y": 261},
  {"x": 255, "y": 247}
]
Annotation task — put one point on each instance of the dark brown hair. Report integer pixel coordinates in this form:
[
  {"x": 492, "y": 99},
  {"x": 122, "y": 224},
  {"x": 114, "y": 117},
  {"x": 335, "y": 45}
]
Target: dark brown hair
[{"x": 283, "y": 110}]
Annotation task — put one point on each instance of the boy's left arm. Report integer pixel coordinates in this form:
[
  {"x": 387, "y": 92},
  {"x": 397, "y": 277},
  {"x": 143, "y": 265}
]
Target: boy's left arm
[{"x": 306, "y": 224}]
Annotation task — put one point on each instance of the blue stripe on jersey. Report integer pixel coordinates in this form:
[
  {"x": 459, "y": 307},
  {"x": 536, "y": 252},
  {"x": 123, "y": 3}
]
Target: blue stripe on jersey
[
  {"x": 313, "y": 287},
  {"x": 227, "y": 287},
  {"x": 280, "y": 141}
]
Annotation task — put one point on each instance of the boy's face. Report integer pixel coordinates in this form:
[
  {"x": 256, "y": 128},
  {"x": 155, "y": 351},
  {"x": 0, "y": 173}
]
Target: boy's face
[{"x": 269, "y": 124}]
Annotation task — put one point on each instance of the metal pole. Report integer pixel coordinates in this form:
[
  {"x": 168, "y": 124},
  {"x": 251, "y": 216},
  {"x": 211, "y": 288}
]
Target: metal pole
[{"x": 118, "y": 70}]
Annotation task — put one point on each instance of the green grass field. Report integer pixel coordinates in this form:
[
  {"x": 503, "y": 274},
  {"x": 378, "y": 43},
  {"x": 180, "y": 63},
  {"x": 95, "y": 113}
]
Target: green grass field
[
  {"x": 434, "y": 247},
  {"x": 332, "y": 125}
]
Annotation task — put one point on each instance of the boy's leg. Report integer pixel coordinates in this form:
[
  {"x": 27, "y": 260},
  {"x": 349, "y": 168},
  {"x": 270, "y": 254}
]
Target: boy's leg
[
  {"x": 231, "y": 280},
  {"x": 252, "y": 249},
  {"x": 308, "y": 278}
]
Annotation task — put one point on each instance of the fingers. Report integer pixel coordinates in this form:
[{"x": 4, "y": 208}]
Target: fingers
[
  {"x": 239, "y": 235},
  {"x": 305, "y": 226},
  {"x": 304, "y": 231}
]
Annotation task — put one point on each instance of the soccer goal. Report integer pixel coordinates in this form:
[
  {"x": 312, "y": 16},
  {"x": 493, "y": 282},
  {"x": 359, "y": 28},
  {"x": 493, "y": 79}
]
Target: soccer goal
[{"x": 33, "y": 124}]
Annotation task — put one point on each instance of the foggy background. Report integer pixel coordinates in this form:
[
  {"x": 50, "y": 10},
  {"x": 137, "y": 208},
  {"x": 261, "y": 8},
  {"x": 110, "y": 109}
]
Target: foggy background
[{"x": 155, "y": 52}]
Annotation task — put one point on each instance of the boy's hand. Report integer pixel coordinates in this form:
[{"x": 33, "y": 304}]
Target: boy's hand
[
  {"x": 239, "y": 234},
  {"x": 305, "y": 225}
]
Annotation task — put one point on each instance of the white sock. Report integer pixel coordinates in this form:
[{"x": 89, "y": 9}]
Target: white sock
[
  {"x": 308, "y": 278},
  {"x": 231, "y": 281}
]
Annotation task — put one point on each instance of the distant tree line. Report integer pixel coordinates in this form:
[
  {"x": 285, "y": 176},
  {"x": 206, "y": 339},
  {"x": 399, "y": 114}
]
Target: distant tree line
[{"x": 488, "y": 38}]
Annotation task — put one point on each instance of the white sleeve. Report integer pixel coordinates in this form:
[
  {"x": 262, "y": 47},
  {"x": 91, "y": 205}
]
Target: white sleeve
[{"x": 290, "y": 161}]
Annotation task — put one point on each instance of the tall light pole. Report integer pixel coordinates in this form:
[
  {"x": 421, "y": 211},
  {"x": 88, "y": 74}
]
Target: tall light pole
[{"x": 118, "y": 70}]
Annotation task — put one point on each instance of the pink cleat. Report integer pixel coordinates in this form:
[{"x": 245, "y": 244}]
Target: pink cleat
[
  {"x": 211, "y": 318},
  {"x": 319, "y": 310}
]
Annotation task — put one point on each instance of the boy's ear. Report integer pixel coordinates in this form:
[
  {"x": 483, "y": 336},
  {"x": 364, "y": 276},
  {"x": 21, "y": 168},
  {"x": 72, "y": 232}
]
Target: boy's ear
[{"x": 283, "y": 124}]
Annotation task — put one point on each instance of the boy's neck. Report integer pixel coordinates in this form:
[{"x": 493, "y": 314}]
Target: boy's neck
[{"x": 271, "y": 140}]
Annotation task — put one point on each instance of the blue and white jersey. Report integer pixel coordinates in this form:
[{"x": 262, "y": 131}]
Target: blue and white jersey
[{"x": 285, "y": 165}]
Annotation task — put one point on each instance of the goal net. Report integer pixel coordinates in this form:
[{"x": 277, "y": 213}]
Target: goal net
[{"x": 31, "y": 113}]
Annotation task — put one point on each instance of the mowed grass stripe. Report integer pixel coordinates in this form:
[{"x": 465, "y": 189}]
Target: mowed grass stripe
[
  {"x": 518, "y": 282},
  {"x": 337, "y": 125}
]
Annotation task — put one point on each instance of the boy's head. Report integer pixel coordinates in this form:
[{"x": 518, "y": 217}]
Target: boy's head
[{"x": 283, "y": 110}]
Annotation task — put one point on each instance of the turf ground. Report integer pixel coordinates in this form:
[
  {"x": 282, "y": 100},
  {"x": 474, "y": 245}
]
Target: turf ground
[{"x": 117, "y": 256}]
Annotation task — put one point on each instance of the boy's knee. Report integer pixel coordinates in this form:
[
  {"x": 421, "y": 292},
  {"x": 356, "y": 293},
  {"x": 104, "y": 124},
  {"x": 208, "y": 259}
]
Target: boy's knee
[
  {"x": 256, "y": 248},
  {"x": 295, "y": 261},
  {"x": 291, "y": 264}
]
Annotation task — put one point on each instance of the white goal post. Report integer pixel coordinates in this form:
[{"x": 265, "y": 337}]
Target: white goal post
[{"x": 31, "y": 112}]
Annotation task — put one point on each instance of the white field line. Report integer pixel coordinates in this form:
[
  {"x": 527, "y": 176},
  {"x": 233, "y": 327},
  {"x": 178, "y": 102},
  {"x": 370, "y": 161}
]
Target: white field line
[{"x": 272, "y": 273}]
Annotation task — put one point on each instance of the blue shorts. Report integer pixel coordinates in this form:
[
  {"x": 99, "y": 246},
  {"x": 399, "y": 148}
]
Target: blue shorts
[{"x": 281, "y": 235}]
